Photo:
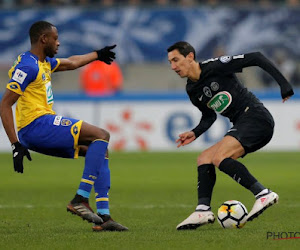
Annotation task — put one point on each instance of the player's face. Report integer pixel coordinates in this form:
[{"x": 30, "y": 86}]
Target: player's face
[
  {"x": 179, "y": 63},
  {"x": 52, "y": 43}
]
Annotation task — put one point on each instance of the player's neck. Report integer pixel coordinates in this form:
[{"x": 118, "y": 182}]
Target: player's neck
[
  {"x": 39, "y": 53},
  {"x": 195, "y": 71}
]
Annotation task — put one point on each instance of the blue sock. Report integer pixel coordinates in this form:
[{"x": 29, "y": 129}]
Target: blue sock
[
  {"x": 94, "y": 160},
  {"x": 102, "y": 186}
]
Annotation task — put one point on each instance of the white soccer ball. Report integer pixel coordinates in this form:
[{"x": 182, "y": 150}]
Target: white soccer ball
[{"x": 232, "y": 214}]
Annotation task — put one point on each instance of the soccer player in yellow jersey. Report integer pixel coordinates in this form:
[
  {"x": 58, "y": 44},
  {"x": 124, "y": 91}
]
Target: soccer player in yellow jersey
[{"x": 41, "y": 130}]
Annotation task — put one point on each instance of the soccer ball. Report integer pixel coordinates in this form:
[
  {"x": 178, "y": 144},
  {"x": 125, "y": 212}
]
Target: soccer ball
[{"x": 232, "y": 214}]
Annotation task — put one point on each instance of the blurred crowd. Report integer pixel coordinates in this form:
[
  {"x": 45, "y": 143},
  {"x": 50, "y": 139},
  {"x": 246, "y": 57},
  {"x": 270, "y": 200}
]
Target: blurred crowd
[{"x": 263, "y": 3}]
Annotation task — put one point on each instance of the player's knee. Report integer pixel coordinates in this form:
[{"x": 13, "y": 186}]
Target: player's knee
[
  {"x": 203, "y": 158},
  {"x": 105, "y": 135},
  {"x": 217, "y": 159}
]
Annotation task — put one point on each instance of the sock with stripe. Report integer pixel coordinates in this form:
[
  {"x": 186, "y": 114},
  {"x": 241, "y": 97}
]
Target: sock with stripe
[
  {"x": 102, "y": 186},
  {"x": 241, "y": 175},
  {"x": 94, "y": 160}
]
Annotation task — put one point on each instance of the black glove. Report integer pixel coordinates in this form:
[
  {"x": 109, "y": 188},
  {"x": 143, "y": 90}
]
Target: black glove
[
  {"x": 106, "y": 55},
  {"x": 18, "y": 154},
  {"x": 286, "y": 92}
]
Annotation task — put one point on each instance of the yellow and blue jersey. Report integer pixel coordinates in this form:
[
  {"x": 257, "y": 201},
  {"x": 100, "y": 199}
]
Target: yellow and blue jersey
[{"x": 31, "y": 79}]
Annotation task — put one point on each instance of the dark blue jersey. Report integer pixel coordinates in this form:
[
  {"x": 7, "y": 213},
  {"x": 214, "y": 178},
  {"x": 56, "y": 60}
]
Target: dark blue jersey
[{"x": 219, "y": 90}]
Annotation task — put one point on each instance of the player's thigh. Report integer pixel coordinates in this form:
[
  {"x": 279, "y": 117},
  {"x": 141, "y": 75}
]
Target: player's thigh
[
  {"x": 52, "y": 135},
  {"x": 90, "y": 133},
  {"x": 227, "y": 147}
]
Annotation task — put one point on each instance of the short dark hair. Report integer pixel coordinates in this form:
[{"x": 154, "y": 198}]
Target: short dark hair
[
  {"x": 184, "y": 48},
  {"x": 37, "y": 29}
]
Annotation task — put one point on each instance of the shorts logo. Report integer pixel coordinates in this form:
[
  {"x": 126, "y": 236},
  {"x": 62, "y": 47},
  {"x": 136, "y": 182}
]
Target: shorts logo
[
  {"x": 207, "y": 91},
  {"x": 214, "y": 86},
  {"x": 57, "y": 120},
  {"x": 225, "y": 59},
  {"x": 75, "y": 130},
  {"x": 13, "y": 86},
  {"x": 19, "y": 76},
  {"x": 65, "y": 122}
]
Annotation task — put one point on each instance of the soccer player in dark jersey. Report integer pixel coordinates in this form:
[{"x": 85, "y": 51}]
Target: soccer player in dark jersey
[
  {"x": 41, "y": 130},
  {"x": 213, "y": 88}
]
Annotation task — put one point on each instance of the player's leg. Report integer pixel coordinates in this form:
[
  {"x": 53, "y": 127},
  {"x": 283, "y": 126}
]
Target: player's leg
[
  {"x": 252, "y": 136},
  {"x": 96, "y": 157},
  {"x": 206, "y": 181},
  {"x": 102, "y": 186},
  {"x": 94, "y": 142}
]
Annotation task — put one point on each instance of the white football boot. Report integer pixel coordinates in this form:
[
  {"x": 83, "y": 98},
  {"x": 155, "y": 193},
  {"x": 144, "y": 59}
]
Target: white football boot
[
  {"x": 262, "y": 202},
  {"x": 197, "y": 219}
]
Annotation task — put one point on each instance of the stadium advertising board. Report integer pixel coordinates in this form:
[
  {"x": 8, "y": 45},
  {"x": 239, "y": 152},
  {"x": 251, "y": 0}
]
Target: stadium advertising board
[{"x": 155, "y": 125}]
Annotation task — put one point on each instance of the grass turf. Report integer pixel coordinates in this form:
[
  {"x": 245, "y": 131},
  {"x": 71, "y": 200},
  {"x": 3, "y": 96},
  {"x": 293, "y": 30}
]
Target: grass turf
[{"x": 151, "y": 193}]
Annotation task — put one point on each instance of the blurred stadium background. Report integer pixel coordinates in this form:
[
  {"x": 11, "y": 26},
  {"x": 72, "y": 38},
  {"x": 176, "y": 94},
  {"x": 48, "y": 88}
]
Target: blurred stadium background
[
  {"x": 151, "y": 107},
  {"x": 152, "y": 192}
]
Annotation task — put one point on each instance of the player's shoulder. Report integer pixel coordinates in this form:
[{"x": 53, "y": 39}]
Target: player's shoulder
[
  {"x": 27, "y": 60},
  {"x": 50, "y": 59}
]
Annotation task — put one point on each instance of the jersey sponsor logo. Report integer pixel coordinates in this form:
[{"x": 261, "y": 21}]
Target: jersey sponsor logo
[
  {"x": 225, "y": 59},
  {"x": 65, "y": 122},
  {"x": 19, "y": 76},
  {"x": 220, "y": 101},
  {"x": 49, "y": 94},
  {"x": 13, "y": 86},
  {"x": 57, "y": 120},
  {"x": 214, "y": 86},
  {"x": 207, "y": 91}
]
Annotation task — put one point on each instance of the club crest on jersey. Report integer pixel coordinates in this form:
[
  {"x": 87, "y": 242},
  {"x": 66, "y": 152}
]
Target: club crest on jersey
[
  {"x": 214, "y": 86},
  {"x": 65, "y": 122},
  {"x": 13, "y": 86},
  {"x": 225, "y": 59},
  {"x": 207, "y": 91},
  {"x": 75, "y": 130},
  {"x": 220, "y": 101},
  {"x": 43, "y": 77},
  {"x": 19, "y": 76}
]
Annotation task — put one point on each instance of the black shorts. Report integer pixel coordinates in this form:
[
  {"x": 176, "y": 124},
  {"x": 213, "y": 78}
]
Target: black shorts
[{"x": 253, "y": 129}]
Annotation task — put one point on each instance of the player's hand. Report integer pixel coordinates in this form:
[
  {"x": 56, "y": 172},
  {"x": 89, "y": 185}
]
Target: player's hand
[
  {"x": 19, "y": 152},
  {"x": 185, "y": 138},
  {"x": 286, "y": 94},
  {"x": 106, "y": 55}
]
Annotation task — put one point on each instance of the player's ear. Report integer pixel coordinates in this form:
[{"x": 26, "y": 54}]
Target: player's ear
[
  {"x": 43, "y": 38},
  {"x": 190, "y": 57}
]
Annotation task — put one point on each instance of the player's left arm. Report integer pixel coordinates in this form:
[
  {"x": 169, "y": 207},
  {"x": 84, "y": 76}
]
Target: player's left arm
[
  {"x": 228, "y": 65},
  {"x": 105, "y": 55}
]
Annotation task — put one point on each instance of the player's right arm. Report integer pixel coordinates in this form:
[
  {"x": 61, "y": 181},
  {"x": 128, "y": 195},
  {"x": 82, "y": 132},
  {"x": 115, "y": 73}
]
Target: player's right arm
[
  {"x": 8, "y": 100},
  {"x": 19, "y": 151},
  {"x": 208, "y": 118}
]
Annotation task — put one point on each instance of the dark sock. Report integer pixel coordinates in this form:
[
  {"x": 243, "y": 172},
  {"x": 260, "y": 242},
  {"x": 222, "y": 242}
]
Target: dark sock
[
  {"x": 240, "y": 174},
  {"x": 78, "y": 199},
  {"x": 206, "y": 182}
]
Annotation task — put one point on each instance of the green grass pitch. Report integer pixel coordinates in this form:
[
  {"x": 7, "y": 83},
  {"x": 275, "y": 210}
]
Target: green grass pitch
[{"x": 151, "y": 193}]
